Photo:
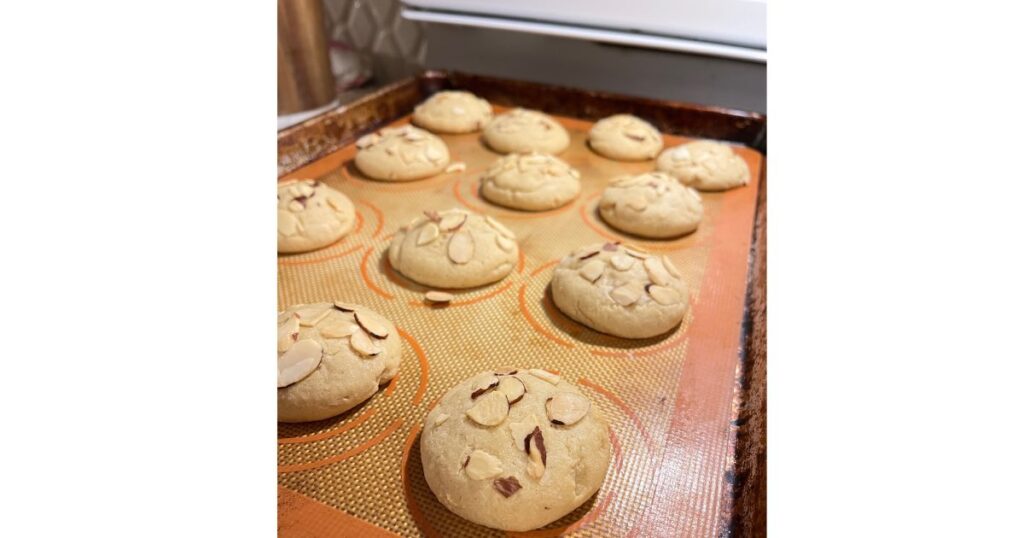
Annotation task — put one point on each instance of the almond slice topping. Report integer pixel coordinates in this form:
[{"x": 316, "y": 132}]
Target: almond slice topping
[
  {"x": 311, "y": 315},
  {"x": 460, "y": 247},
  {"x": 452, "y": 221},
  {"x": 507, "y": 486},
  {"x": 371, "y": 325},
  {"x": 336, "y": 328},
  {"x": 439, "y": 419},
  {"x": 670, "y": 267},
  {"x": 663, "y": 295},
  {"x": 513, "y": 389},
  {"x": 433, "y": 154},
  {"x": 637, "y": 202},
  {"x": 625, "y": 295},
  {"x": 427, "y": 234},
  {"x": 567, "y": 408},
  {"x": 345, "y": 307},
  {"x": 621, "y": 262},
  {"x": 500, "y": 227},
  {"x": 287, "y": 334},
  {"x": 656, "y": 271},
  {"x": 367, "y": 141},
  {"x": 482, "y": 465},
  {"x": 490, "y": 409},
  {"x": 680, "y": 154},
  {"x": 484, "y": 386},
  {"x": 439, "y": 296},
  {"x": 537, "y": 453},
  {"x": 363, "y": 345},
  {"x": 505, "y": 243},
  {"x": 545, "y": 375},
  {"x": 455, "y": 167},
  {"x": 298, "y": 362},
  {"x": 592, "y": 270}
]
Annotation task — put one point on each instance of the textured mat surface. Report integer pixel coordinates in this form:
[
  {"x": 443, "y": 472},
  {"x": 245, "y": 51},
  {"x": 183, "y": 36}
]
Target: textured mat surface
[{"x": 669, "y": 400}]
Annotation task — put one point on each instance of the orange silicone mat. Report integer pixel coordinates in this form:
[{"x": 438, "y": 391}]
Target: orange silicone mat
[{"x": 669, "y": 400}]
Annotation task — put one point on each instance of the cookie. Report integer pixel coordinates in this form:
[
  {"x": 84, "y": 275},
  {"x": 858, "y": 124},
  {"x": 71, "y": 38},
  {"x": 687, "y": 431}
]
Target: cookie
[
  {"x": 625, "y": 138},
  {"x": 401, "y": 154},
  {"x": 652, "y": 205},
  {"x": 523, "y": 131},
  {"x": 454, "y": 249},
  {"x": 330, "y": 358},
  {"x": 530, "y": 181},
  {"x": 311, "y": 215},
  {"x": 514, "y": 449},
  {"x": 705, "y": 165},
  {"x": 620, "y": 290},
  {"x": 453, "y": 112}
]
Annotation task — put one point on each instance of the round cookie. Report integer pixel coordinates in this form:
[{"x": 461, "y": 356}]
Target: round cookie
[
  {"x": 530, "y": 181},
  {"x": 453, "y": 112},
  {"x": 401, "y": 154},
  {"x": 454, "y": 249},
  {"x": 311, "y": 215},
  {"x": 523, "y": 131},
  {"x": 514, "y": 449},
  {"x": 651, "y": 205},
  {"x": 620, "y": 290},
  {"x": 705, "y": 165},
  {"x": 331, "y": 358},
  {"x": 625, "y": 138}
]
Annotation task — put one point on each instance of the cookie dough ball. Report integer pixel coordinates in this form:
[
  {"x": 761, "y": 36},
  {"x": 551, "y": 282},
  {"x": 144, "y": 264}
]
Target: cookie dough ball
[
  {"x": 705, "y": 165},
  {"x": 330, "y": 358},
  {"x": 454, "y": 249},
  {"x": 523, "y": 131},
  {"x": 625, "y": 138},
  {"x": 620, "y": 290},
  {"x": 401, "y": 154},
  {"x": 514, "y": 449},
  {"x": 651, "y": 205},
  {"x": 311, "y": 215},
  {"x": 453, "y": 112},
  {"x": 530, "y": 181}
]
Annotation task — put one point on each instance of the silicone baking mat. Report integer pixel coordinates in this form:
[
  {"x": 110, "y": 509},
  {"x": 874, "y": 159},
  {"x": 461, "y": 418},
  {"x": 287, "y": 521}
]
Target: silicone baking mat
[{"x": 669, "y": 400}]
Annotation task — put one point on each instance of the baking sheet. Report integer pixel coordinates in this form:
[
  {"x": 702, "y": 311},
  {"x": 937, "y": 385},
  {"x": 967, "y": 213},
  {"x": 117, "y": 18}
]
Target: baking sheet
[{"x": 669, "y": 400}]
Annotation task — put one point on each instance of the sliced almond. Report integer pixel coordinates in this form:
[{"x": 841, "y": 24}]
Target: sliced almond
[
  {"x": 309, "y": 316},
  {"x": 439, "y": 297},
  {"x": 680, "y": 154},
  {"x": 372, "y": 326},
  {"x": 520, "y": 432},
  {"x": 458, "y": 111},
  {"x": 460, "y": 247},
  {"x": 337, "y": 328},
  {"x": 656, "y": 271},
  {"x": 287, "y": 333},
  {"x": 505, "y": 243},
  {"x": 507, "y": 486},
  {"x": 485, "y": 385},
  {"x": 622, "y": 262},
  {"x": 482, "y": 466},
  {"x": 500, "y": 227},
  {"x": 610, "y": 247},
  {"x": 439, "y": 419},
  {"x": 507, "y": 370},
  {"x": 625, "y": 295},
  {"x": 638, "y": 254},
  {"x": 490, "y": 409},
  {"x": 295, "y": 206},
  {"x": 367, "y": 141},
  {"x": 537, "y": 453},
  {"x": 636, "y": 133},
  {"x": 512, "y": 388},
  {"x": 545, "y": 375},
  {"x": 298, "y": 362},
  {"x": 345, "y": 307},
  {"x": 592, "y": 270},
  {"x": 567, "y": 408},
  {"x": 413, "y": 135},
  {"x": 670, "y": 267},
  {"x": 534, "y": 158},
  {"x": 452, "y": 221},
  {"x": 363, "y": 344},
  {"x": 455, "y": 167},
  {"x": 637, "y": 202},
  {"x": 427, "y": 234},
  {"x": 433, "y": 153},
  {"x": 432, "y": 215},
  {"x": 574, "y": 173},
  {"x": 663, "y": 295}
]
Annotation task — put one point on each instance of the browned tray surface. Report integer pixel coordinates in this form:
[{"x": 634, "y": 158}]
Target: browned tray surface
[{"x": 675, "y": 403}]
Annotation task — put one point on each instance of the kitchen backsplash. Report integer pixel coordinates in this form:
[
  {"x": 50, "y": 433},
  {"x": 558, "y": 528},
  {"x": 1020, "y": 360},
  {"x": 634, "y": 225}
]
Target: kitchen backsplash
[{"x": 392, "y": 46}]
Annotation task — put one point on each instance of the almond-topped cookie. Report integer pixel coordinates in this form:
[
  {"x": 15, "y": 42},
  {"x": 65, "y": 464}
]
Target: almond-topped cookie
[
  {"x": 705, "y": 165},
  {"x": 454, "y": 249},
  {"x": 530, "y": 181},
  {"x": 453, "y": 112},
  {"x": 653, "y": 204},
  {"x": 523, "y": 131},
  {"x": 624, "y": 137},
  {"x": 620, "y": 290},
  {"x": 401, "y": 154},
  {"x": 330, "y": 358},
  {"x": 514, "y": 448},
  {"x": 311, "y": 215}
]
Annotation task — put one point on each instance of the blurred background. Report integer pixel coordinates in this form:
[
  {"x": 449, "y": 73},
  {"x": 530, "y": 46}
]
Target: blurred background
[{"x": 700, "y": 51}]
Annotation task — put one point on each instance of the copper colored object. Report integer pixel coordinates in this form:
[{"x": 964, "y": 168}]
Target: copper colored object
[
  {"x": 687, "y": 410},
  {"x": 304, "y": 77}
]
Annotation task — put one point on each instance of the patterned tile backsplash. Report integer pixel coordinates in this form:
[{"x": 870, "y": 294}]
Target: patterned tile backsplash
[{"x": 376, "y": 30}]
